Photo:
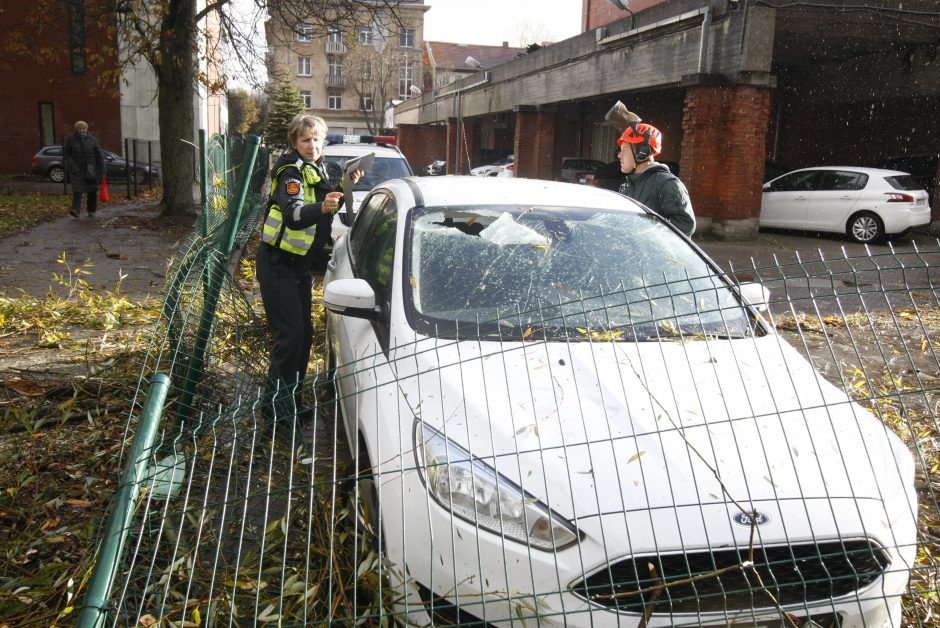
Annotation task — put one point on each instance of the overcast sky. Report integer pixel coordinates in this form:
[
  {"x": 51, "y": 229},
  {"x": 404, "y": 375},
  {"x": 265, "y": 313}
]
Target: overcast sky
[{"x": 492, "y": 22}]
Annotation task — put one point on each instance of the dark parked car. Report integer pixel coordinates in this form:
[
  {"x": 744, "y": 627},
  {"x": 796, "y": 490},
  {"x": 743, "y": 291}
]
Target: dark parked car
[
  {"x": 48, "y": 163},
  {"x": 610, "y": 177}
]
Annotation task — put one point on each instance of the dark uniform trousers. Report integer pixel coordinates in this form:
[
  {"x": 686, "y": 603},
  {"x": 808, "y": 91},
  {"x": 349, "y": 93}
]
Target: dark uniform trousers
[{"x": 286, "y": 292}]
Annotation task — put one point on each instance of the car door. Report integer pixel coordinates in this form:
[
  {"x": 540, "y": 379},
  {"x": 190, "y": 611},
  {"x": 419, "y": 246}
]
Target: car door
[
  {"x": 833, "y": 199},
  {"x": 361, "y": 345},
  {"x": 784, "y": 201}
]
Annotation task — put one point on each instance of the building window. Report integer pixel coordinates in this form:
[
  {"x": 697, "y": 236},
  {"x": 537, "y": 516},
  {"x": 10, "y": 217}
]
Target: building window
[
  {"x": 308, "y": 101},
  {"x": 77, "y": 36},
  {"x": 46, "y": 124},
  {"x": 365, "y": 70},
  {"x": 365, "y": 36},
  {"x": 405, "y": 80},
  {"x": 303, "y": 66},
  {"x": 406, "y": 38},
  {"x": 334, "y": 41},
  {"x": 365, "y": 103},
  {"x": 335, "y": 67},
  {"x": 334, "y": 100},
  {"x": 304, "y": 32}
]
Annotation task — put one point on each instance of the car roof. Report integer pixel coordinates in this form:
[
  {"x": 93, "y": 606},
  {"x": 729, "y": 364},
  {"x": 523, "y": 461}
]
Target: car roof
[
  {"x": 483, "y": 191},
  {"x": 358, "y": 150},
  {"x": 872, "y": 172}
]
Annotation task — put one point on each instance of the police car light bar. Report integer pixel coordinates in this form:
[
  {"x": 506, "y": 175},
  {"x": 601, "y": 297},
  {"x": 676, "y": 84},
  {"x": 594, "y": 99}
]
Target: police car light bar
[{"x": 337, "y": 138}]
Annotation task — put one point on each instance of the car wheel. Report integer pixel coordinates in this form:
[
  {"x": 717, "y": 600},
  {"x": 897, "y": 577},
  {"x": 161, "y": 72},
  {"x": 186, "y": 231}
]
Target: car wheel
[
  {"x": 865, "y": 227},
  {"x": 57, "y": 174}
]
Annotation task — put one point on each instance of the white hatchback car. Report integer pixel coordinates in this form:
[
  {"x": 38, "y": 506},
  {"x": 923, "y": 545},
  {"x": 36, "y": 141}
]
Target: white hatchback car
[
  {"x": 563, "y": 413},
  {"x": 501, "y": 168},
  {"x": 866, "y": 203},
  {"x": 389, "y": 163}
]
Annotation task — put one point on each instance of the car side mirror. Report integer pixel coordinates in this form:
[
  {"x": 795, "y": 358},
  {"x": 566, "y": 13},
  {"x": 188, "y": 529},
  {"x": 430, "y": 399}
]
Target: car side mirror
[
  {"x": 350, "y": 297},
  {"x": 767, "y": 187},
  {"x": 755, "y": 294}
]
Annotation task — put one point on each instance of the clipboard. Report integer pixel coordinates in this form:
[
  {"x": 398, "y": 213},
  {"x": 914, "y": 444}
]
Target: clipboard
[{"x": 363, "y": 163}]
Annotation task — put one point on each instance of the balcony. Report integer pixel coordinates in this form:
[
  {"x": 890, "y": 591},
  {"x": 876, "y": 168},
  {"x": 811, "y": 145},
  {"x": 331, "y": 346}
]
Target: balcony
[
  {"x": 336, "y": 47},
  {"x": 336, "y": 80}
]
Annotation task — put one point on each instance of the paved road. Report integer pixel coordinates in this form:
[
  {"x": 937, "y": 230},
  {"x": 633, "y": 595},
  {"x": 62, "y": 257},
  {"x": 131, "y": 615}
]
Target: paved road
[{"x": 120, "y": 244}]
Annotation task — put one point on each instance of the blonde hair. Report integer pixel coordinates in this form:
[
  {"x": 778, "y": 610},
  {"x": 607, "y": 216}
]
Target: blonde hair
[
  {"x": 302, "y": 122},
  {"x": 81, "y": 124}
]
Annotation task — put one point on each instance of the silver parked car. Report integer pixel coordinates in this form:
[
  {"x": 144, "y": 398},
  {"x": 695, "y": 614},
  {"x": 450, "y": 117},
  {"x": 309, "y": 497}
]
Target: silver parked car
[{"x": 48, "y": 162}]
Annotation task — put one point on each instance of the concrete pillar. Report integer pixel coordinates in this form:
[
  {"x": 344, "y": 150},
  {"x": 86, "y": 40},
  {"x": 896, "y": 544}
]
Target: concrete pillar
[
  {"x": 534, "y": 143},
  {"x": 723, "y": 150}
]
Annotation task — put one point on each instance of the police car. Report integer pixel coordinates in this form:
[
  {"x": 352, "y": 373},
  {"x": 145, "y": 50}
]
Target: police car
[{"x": 389, "y": 163}]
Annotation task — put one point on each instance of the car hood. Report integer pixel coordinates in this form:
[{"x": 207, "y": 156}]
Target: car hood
[{"x": 589, "y": 428}]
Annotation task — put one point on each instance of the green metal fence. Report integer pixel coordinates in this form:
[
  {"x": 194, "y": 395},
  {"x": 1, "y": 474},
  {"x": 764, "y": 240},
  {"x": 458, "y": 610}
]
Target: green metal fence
[{"x": 226, "y": 517}]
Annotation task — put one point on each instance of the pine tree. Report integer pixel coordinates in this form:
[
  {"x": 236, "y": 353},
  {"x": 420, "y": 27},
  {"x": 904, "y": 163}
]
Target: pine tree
[{"x": 287, "y": 104}]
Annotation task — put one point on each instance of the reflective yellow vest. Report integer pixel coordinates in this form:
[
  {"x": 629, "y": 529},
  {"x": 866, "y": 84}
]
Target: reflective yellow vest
[{"x": 274, "y": 231}]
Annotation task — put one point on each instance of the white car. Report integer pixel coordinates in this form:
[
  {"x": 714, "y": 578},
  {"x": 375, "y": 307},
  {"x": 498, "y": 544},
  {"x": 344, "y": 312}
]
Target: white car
[
  {"x": 389, "y": 163},
  {"x": 866, "y": 203},
  {"x": 557, "y": 405},
  {"x": 495, "y": 169}
]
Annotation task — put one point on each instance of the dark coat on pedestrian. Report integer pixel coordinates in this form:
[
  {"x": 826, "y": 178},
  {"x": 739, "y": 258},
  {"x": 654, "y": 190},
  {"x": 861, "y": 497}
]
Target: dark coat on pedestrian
[
  {"x": 84, "y": 162},
  {"x": 663, "y": 192}
]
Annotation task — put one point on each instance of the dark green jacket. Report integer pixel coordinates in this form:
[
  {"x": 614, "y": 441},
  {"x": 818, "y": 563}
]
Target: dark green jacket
[{"x": 663, "y": 192}]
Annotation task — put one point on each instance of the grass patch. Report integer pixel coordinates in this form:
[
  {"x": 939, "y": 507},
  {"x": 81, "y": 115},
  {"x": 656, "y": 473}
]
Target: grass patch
[{"x": 19, "y": 211}]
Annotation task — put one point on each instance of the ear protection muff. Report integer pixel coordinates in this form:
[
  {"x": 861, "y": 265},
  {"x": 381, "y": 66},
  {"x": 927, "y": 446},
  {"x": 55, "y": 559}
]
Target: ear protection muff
[{"x": 644, "y": 149}]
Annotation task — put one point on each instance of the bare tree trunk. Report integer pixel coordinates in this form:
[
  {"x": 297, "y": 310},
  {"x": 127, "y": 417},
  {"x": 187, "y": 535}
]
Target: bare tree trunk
[{"x": 175, "y": 97}]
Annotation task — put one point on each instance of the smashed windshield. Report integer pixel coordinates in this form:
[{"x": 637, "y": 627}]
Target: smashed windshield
[{"x": 558, "y": 273}]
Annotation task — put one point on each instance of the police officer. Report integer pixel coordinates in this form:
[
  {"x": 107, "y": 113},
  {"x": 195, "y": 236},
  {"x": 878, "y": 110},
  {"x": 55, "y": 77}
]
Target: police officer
[
  {"x": 652, "y": 183},
  {"x": 296, "y": 227}
]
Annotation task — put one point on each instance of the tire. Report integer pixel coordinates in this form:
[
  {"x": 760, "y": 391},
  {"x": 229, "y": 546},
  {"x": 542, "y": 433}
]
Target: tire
[
  {"x": 57, "y": 174},
  {"x": 866, "y": 228}
]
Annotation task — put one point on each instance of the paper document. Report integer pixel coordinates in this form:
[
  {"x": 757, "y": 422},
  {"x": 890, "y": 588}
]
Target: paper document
[{"x": 363, "y": 163}]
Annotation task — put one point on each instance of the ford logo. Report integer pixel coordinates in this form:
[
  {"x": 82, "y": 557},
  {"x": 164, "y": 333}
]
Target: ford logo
[{"x": 750, "y": 518}]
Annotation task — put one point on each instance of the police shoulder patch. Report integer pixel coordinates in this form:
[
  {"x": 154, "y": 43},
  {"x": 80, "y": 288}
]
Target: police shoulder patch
[{"x": 293, "y": 187}]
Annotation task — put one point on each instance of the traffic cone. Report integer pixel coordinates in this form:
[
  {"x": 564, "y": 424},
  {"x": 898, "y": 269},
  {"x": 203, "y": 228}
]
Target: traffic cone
[{"x": 104, "y": 195}]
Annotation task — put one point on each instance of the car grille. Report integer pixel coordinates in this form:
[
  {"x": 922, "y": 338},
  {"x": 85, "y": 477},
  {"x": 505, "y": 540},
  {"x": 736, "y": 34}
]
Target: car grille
[{"x": 793, "y": 574}]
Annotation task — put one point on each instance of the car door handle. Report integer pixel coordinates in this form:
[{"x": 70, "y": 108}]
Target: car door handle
[{"x": 847, "y": 197}]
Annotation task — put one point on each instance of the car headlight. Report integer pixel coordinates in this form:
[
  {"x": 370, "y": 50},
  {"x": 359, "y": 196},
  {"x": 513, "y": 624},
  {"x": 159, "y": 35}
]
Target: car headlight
[{"x": 473, "y": 491}]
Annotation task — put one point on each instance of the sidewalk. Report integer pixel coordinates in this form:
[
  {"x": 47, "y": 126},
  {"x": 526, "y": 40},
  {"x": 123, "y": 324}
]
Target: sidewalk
[{"x": 121, "y": 240}]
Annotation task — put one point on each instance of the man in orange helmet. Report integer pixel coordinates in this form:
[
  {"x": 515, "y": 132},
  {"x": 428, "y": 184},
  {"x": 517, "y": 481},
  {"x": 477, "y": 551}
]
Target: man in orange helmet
[{"x": 652, "y": 183}]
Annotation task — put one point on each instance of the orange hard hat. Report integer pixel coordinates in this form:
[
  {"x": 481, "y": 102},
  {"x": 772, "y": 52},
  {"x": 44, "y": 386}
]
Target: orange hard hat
[{"x": 646, "y": 138}]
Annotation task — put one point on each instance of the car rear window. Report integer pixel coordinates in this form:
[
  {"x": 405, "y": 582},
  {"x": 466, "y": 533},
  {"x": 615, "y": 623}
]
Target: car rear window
[
  {"x": 383, "y": 169},
  {"x": 903, "y": 182},
  {"x": 54, "y": 151}
]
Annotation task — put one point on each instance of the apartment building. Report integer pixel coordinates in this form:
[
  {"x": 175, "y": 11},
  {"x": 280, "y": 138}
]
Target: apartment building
[{"x": 352, "y": 73}]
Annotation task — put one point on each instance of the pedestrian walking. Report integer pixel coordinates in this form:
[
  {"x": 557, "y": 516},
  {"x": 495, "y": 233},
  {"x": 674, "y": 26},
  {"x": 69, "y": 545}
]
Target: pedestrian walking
[
  {"x": 296, "y": 227},
  {"x": 84, "y": 163},
  {"x": 652, "y": 183}
]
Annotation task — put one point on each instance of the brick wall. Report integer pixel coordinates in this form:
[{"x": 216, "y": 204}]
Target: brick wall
[
  {"x": 44, "y": 76},
  {"x": 600, "y": 12},
  {"x": 422, "y": 144},
  {"x": 723, "y": 148},
  {"x": 534, "y": 144}
]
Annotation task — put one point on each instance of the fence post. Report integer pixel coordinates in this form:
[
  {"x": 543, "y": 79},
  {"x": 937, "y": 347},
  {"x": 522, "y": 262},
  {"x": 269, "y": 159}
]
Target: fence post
[
  {"x": 95, "y": 603},
  {"x": 196, "y": 365}
]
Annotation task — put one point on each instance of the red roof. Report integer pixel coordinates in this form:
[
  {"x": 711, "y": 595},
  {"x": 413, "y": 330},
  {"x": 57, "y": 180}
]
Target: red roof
[{"x": 451, "y": 56}]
